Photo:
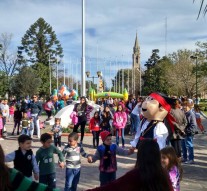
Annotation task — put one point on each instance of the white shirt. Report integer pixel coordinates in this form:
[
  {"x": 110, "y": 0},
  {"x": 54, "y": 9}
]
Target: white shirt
[
  {"x": 136, "y": 110},
  {"x": 160, "y": 133},
  {"x": 5, "y": 110}
]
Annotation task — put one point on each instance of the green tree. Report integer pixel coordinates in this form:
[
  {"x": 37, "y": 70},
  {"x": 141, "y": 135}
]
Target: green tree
[
  {"x": 182, "y": 76},
  {"x": 124, "y": 74},
  {"x": 150, "y": 75},
  {"x": 40, "y": 48},
  {"x": 3, "y": 83},
  {"x": 25, "y": 83}
]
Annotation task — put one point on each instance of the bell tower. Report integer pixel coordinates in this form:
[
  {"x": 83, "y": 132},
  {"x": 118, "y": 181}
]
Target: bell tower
[
  {"x": 136, "y": 69},
  {"x": 136, "y": 55}
]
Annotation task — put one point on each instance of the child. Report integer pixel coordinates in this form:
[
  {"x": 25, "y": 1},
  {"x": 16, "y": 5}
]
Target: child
[
  {"x": 106, "y": 153},
  {"x": 17, "y": 119},
  {"x": 73, "y": 164},
  {"x": 198, "y": 114},
  {"x": 190, "y": 130},
  {"x": 119, "y": 122},
  {"x": 74, "y": 118},
  {"x": 11, "y": 112},
  {"x": 1, "y": 126},
  {"x": 94, "y": 126},
  {"x": 57, "y": 130},
  {"x": 106, "y": 116},
  {"x": 46, "y": 161},
  {"x": 171, "y": 164},
  {"x": 23, "y": 158},
  {"x": 25, "y": 124}
]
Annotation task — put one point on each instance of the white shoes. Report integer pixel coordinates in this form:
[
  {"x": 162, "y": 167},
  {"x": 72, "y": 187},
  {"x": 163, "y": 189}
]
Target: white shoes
[{"x": 1, "y": 139}]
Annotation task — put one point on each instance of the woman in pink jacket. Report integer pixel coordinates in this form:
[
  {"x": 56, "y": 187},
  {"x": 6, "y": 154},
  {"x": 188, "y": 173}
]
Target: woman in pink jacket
[{"x": 119, "y": 122}]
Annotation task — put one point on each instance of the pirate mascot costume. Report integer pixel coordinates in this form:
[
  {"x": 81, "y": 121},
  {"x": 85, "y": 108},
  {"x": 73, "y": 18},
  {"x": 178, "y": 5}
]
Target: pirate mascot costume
[{"x": 155, "y": 109}]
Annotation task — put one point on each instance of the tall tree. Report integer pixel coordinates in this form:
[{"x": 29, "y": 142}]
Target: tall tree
[
  {"x": 25, "y": 83},
  {"x": 41, "y": 48},
  {"x": 182, "y": 77},
  {"x": 9, "y": 64},
  {"x": 150, "y": 75}
]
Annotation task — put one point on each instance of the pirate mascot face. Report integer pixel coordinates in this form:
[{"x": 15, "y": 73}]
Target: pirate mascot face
[{"x": 155, "y": 109}]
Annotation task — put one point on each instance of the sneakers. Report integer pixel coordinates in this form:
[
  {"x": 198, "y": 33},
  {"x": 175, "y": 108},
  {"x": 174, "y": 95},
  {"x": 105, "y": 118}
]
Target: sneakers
[
  {"x": 190, "y": 162},
  {"x": 1, "y": 139},
  {"x": 183, "y": 160},
  {"x": 60, "y": 148}
]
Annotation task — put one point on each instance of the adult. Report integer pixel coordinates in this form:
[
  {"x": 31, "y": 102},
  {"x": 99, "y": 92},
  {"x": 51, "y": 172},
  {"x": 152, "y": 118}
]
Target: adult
[
  {"x": 11, "y": 179},
  {"x": 135, "y": 118},
  {"x": 148, "y": 173},
  {"x": 5, "y": 111},
  {"x": 179, "y": 127},
  {"x": 48, "y": 106},
  {"x": 24, "y": 105},
  {"x": 81, "y": 109},
  {"x": 155, "y": 108},
  {"x": 36, "y": 110},
  {"x": 130, "y": 104}
]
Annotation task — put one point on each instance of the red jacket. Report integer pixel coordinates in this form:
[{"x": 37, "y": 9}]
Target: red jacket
[{"x": 94, "y": 124}]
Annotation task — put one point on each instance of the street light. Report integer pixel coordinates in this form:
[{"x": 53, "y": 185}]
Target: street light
[
  {"x": 196, "y": 58},
  {"x": 99, "y": 74}
]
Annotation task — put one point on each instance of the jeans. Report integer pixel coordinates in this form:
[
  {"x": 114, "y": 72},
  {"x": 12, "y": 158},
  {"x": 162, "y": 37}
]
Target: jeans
[
  {"x": 57, "y": 141},
  {"x": 48, "y": 179},
  {"x": 95, "y": 138},
  {"x": 187, "y": 145},
  {"x": 135, "y": 123},
  {"x": 122, "y": 136},
  {"x": 106, "y": 177},
  {"x": 35, "y": 125},
  {"x": 72, "y": 179},
  {"x": 25, "y": 131},
  {"x": 82, "y": 124}
]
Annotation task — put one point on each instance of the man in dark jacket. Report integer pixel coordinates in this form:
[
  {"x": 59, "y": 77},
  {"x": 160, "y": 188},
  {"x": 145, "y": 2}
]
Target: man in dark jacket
[{"x": 36, "y": 110}]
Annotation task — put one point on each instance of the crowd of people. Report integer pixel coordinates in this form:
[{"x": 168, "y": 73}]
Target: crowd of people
[{"x": 159, "y": 156}]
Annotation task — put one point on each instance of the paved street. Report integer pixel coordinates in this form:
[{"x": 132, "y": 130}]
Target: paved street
[{"x": 194, "y": 178}]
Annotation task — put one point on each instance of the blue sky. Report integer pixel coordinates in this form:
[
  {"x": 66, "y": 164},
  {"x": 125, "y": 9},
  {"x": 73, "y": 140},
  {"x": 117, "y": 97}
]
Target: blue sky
[{"x": 111, "y": 27}]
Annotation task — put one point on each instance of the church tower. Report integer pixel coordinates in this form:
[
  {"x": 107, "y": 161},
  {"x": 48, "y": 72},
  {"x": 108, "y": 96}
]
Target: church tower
[
  {"x": 136, "y": 55},
  {"x": 136, "y": 70}
]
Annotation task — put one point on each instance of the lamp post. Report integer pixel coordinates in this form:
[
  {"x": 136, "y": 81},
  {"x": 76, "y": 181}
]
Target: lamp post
[
  {"x": 99, "y": 74},
  {"x": 50, "y": 76},
  {"x": 196, "y": 59},
  {"x": 83, "y": 80}
]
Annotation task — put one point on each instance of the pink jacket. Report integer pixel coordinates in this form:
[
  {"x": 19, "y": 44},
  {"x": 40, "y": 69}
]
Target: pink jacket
[
  {"x": 120, "y": 119},
  {"x": 1, "y": 123},
  {"x": 74, "y": 118}
]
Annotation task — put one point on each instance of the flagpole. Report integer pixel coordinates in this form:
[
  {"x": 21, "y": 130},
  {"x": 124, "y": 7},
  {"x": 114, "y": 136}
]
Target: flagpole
[{"x": 83, "y": 78}]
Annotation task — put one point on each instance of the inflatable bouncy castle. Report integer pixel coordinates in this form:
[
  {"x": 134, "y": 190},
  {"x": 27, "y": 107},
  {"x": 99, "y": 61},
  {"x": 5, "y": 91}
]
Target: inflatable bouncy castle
[
  {"x": 65, "y": 93},
  {"x": 94, "y": 96}
]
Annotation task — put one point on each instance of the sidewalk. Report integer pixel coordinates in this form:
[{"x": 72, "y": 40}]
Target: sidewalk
[{"x": 194, "y": 177}]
